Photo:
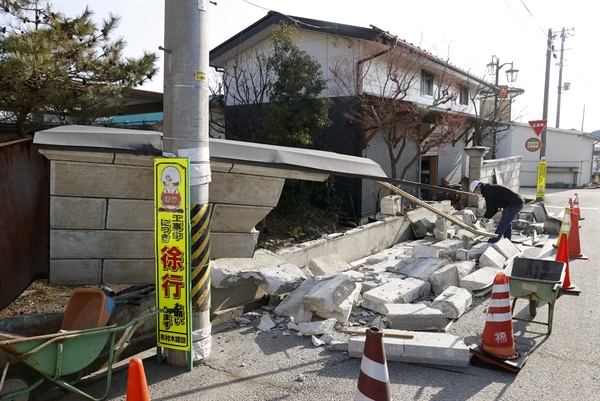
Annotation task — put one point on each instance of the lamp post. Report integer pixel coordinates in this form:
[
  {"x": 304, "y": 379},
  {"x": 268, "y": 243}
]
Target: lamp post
[{"x": 494, "y": 68}]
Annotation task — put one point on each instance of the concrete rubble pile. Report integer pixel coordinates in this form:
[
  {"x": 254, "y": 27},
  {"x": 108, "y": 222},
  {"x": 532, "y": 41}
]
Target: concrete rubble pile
[{"x": 417, "y": 288}]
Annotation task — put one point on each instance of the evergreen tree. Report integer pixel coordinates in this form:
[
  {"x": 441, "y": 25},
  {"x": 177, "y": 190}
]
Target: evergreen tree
[{"x": 69, "y": 68}]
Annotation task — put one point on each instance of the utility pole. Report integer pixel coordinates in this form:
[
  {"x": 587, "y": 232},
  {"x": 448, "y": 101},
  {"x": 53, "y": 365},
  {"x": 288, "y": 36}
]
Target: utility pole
[
  {"x": 563, "y": 36},
  {"x": 546, "y": 90},
  {"x": 186, "y": 122}
]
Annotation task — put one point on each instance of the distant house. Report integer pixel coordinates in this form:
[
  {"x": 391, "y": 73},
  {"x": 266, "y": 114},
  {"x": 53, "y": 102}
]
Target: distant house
[
  {"x": 330, "y": 42},
  {"x": 569, "y": 155}
]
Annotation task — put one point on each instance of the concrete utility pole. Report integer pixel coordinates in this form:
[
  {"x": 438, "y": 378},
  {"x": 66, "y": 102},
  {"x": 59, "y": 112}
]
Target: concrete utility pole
[
  {"x": 563, "y": 36},
  {"x": 186, "y": 122},
  {"x": 546, "y": 89}
]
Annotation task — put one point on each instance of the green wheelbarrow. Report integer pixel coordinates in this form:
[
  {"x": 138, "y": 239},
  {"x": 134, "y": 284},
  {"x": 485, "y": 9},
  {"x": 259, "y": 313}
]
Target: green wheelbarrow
[
  {"x": 59, "y": 357},
  {"x": 538, "y": 281}
]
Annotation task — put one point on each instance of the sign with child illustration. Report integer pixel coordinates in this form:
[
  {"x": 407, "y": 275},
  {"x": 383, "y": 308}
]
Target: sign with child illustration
[{"x": 171, "y": 252}]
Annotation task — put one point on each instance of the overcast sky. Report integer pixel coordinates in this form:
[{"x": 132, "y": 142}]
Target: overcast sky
[{"x": 466, "y": 32}]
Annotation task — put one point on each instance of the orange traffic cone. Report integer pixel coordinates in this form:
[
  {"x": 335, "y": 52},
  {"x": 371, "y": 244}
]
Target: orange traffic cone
[
  {"x": 565, "y": 227},
  {"x": 497, "y": 346},
  {"x": 576, "y": 207},
  {"x": 573, "y": 240},
  {"x": 137, "y": 388},
  {"x": 563, "y": 256},
  {"x": 373, "y": 381}
]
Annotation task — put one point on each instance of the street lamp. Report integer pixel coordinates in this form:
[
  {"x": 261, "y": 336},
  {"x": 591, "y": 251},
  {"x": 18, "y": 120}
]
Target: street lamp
[{"x": 494, "y": 68}]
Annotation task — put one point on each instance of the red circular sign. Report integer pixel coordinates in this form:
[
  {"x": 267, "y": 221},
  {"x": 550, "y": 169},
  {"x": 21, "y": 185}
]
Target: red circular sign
[{"x": 533, "y": 144}]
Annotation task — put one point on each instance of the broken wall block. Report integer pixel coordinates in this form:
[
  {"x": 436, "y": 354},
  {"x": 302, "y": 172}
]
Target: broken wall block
[
  {"x": 506, "y": 248},
  {"x": 420, "y": 268},
  {"x": 453, "y": 302},
  {"x": 415, "y": 317},
  {"x": 492, "y": 258},
  {"x": 395, "y": 291},
  {"x": 479, "y": 279},
  {"x": 445, "y": 277},
  {"x": 328, "y": 264},
  {"x": 329, "y": 293}
]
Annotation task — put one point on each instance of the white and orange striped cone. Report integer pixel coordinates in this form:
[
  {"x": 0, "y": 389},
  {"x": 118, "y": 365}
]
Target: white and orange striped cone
[
  {"x": 576, "y": 208},
  {"x": 373, "y": 381},
  {"x": 497, "y": 346},
  {"x": 497, "y": 338},
  {"x": 565, "y": 227}
]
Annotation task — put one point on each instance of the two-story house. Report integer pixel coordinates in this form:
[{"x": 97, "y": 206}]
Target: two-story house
[{"x": 363, "y": 66}]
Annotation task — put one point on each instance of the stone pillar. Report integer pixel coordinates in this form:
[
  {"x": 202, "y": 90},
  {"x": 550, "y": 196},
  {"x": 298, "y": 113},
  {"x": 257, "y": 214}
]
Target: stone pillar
[{"x": 476, "y": 154}]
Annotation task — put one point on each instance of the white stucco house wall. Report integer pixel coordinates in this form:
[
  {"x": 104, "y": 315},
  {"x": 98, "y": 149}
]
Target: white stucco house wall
[{"x": 329, "y": 42}]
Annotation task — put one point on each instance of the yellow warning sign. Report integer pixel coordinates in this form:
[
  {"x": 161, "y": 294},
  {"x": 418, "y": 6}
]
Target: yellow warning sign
[
  {"x": 541, "y": 181},
  {"x": 172, "y": 253}
]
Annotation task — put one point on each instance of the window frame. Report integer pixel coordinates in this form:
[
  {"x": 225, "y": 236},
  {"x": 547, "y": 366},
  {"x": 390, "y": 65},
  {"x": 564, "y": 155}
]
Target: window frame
[
  {"x": 463, "y": 95},
  {"x": 427, "y": 83}
]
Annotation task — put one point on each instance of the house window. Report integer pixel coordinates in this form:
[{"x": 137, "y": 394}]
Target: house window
[
  {"x": 426, "y": 83},
  {"x": 464, "y": 95}
]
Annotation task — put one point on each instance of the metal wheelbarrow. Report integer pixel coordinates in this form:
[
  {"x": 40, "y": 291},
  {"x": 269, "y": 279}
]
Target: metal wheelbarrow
[
  {"x": 538, "y": 281},
  {"x": 62, "y": 357}
]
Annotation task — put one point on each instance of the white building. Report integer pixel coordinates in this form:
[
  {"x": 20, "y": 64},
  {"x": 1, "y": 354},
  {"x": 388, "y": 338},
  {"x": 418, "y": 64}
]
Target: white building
[{"x": 569, "y": 155}]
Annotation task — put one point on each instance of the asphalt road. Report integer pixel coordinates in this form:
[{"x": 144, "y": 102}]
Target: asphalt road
[{"x": 248, "y": 365}]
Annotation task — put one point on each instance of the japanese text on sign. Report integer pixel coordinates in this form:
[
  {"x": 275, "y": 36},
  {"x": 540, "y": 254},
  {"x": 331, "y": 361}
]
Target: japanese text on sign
[{"x": 172, "y": 255}]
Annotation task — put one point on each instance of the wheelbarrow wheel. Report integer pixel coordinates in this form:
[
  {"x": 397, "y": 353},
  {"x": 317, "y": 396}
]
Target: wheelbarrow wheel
[
  {"x": 16, "y": 381},
  {"x": 533, "y": 305}
]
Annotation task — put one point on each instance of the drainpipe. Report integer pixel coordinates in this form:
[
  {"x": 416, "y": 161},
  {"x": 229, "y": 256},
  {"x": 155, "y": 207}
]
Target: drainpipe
[{"x": 186, "y": 124}]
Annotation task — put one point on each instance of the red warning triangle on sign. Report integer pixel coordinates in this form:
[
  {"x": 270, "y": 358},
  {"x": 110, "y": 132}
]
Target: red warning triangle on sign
[{"x": 538, "y": 125}]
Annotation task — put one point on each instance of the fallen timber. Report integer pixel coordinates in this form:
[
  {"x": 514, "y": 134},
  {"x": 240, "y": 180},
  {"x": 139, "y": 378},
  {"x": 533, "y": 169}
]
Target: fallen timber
[{"x": 434, "y": 210}]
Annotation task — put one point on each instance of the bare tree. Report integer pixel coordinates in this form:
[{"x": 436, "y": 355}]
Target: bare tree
[
  {"x": 493, "y": 113},
  {"x": 381, "y": 77}
]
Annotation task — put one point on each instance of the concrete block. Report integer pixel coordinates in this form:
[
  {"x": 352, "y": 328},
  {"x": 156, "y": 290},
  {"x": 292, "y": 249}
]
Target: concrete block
[
  {"x": 128, "y": 271},
  {"x": 342, "y": 312},
  {"x": 229, "y": 272},
  {"x": 75, "y": 272},
  {"x": 316, "y": 328},
  {"x": 420, "y": 268},
  {"x": 492, "y": 258},
  {"x": 237, "y": 218},
  {"x": 395, "y": 291},
  {"x": 329, "y": 293},
  {"x": 421, "y": 227},
  {"x": 294, "y": 301},
  {"x": 101, "y": 180},
  {"x": 428, "y": 348},
  {"x": 479, "y": 279},
  {"x": 77, "y": 213},
  {"x": 465, "y": 268},
  {"x": 130, "y": 214},
  {"x": 448, "y": 247},
  {"x": 415, "y": 317},
  {"x": 506, "y": 248},
  {"x": 477, "y": 250},
  {"x": 453, "y": 302},
  {"x": 462, "y": 254},
  {"x": 328, "y": 264},
  {"x": 234, "y": 189},
  {"x": 220, "y": 244},
  {"x": 443, "y": 278},
  {"x": 424, "y": 251},
  {"x": 391, "y": 205},
  {"x": 99, "y": 244},
  {"x": 277, "y": 279}
]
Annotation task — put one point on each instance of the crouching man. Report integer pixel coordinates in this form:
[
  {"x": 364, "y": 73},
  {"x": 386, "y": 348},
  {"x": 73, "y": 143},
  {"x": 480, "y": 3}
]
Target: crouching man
[{"x": 499, "y": 197}]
